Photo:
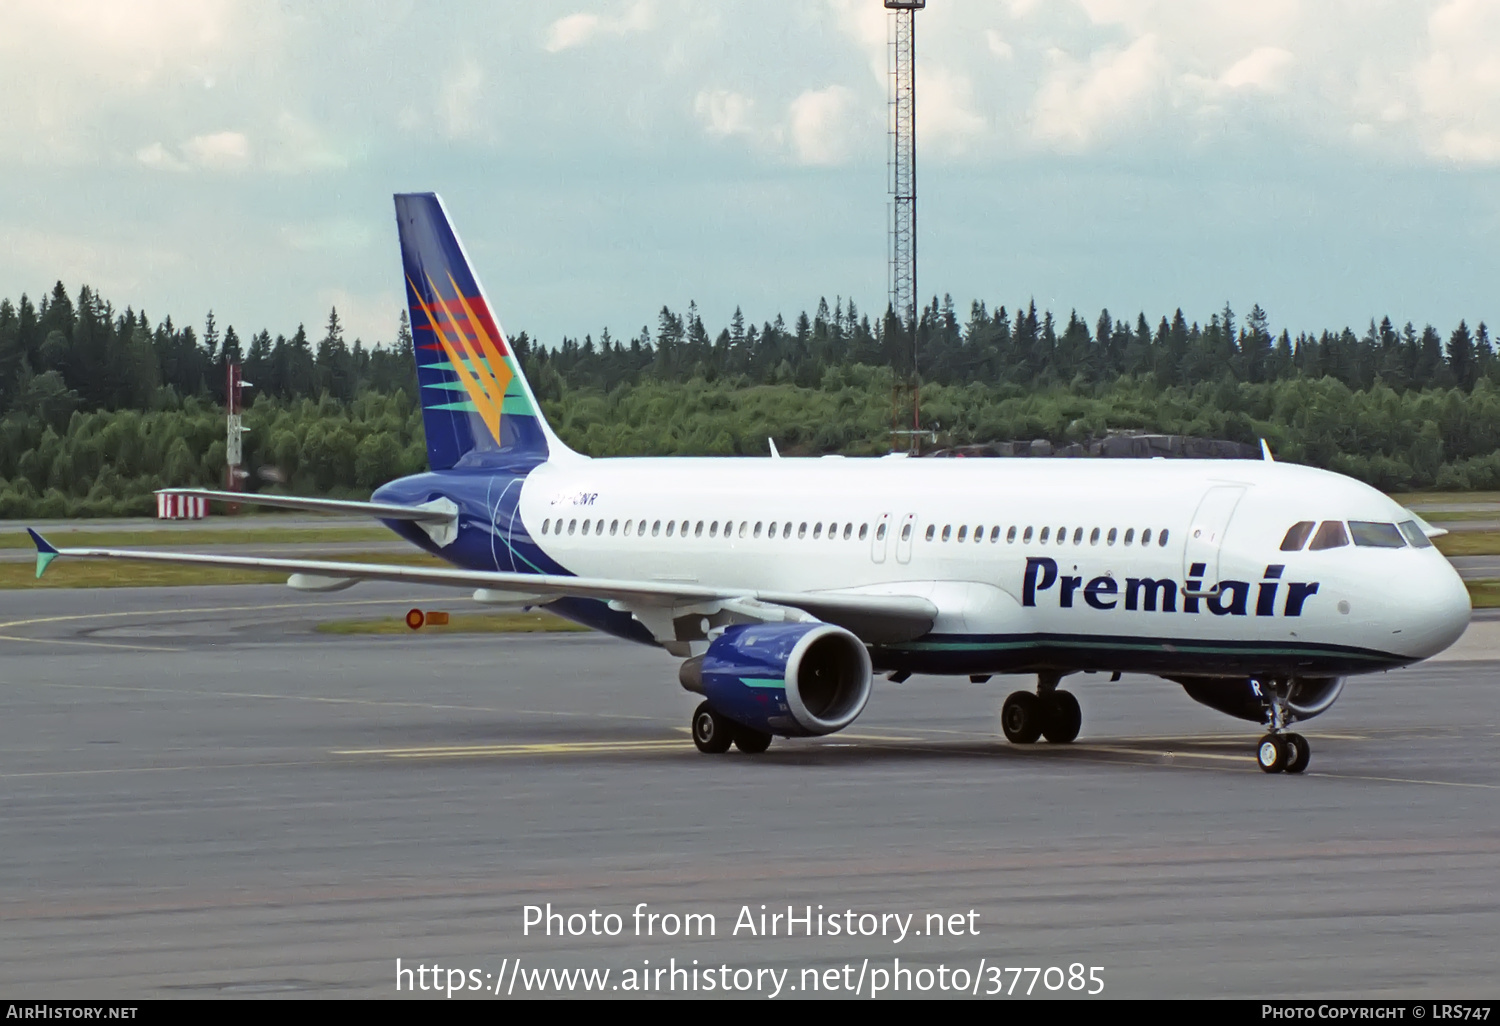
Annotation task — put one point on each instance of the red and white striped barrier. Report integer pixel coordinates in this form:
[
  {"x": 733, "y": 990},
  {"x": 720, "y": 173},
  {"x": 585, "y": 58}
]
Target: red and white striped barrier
[{"x": 181, "y": 507}]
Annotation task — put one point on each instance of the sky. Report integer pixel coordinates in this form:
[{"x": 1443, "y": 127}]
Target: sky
[{"x": 1331, "y": 160}]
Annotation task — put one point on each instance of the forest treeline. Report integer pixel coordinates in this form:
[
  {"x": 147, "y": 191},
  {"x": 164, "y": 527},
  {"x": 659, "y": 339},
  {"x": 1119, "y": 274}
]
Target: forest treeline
[{"x": 98, "y": 407}]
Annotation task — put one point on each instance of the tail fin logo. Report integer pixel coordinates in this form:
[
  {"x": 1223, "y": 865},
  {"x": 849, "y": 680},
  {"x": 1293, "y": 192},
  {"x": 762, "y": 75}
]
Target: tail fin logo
[{"x": 464, "y": 332}]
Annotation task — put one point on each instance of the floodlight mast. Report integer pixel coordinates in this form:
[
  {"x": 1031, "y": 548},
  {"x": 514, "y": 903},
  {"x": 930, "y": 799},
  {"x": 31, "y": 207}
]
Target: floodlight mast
[{"x": 903, "y": 174}]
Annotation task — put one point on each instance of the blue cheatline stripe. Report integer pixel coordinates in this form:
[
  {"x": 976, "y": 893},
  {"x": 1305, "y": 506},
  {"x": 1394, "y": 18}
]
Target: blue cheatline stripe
[
  {"x": 1182, "y": 645},
  {"x": 763, "y": 682}
]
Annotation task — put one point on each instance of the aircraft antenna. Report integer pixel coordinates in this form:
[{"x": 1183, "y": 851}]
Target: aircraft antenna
[{"x": 903, "y": 181}]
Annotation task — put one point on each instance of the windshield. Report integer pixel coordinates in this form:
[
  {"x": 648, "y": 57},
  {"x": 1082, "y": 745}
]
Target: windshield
[
  {"x": 1372, "y": 535},
  {"x": 1414, "y": 534}
]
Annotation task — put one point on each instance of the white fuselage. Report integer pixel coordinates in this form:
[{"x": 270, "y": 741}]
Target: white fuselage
[{"x": 1059, "y": 550}]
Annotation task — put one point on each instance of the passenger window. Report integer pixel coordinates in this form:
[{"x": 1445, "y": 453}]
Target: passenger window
[
  {"x": 880, "y": 533},
  {"x": 772, "y": 532},
  {"x": 1010, "y": 536},
  {"x": 1077, "y": 536},
  {"x": 995, "y": 534},
  {"x": 1045, "y": 532},
  {"x": 713, "y": 529},
  {"x": 671, "y": 526},
  {"x": 1026, "y": 537},
  {"x": 906, "y": 532},
  {"x": 963, "y": 533},
  {"x": 572, "y": 525},
  {"x": 656, "y": 529},
  {"x": 584, "y": 528},
  {"x": 1129, "y": 536},
  {"x": 614, "y": 525},
  {"x": 1376, "y": 536},
  {"x": 818, "y": 530},
  {"x": 1094, "y": 536},
  {"x": 1161, "y": 538},
  {"x": 629, "y": 524},
  {"x": 979, "y": 533},
  {"x": 1330, "y": 536},
  {"x": 758, "y": 524},
  {"x": 1296, "y": 536},
  {"x": 786, "y": 529},
  {"x": 1414, "y": 534},
  {"x": 745, "y": 529},
  {"x": 1109, "y": 539},
  {"x": 864, "y": 529},
  {"x": 849, "y": 531},
  {"x": 802, "y": 530},
  {"x": 1146, "y": 536},
  {"x": 546, "y": 524},
  {"x": 931, "y": 532},
  {"x": 696, "y": 534}
]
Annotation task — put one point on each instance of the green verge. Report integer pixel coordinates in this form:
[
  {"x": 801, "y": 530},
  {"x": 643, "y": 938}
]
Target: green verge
[
  {"x": 118, "y": 573},
  {"x": 460, "y": 623},
  {"x": 68, "y": 537},
  {"x": 1416, "y": 500},
  {"x": 1469, "y": 543},
  {"x": 1484, "y": 594}
]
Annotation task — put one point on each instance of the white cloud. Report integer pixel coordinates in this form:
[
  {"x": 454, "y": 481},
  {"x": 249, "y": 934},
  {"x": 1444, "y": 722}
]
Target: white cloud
[
  {"x": 218, "y": 150},
  {"x": 577, "y": 29},
  {"x": 1264, "y": 68},
  {"x": 724, "y": 112},
  {"x": 820, "y": 122},
  {"x": 1457, "y": 83},
  {"x": 459, "y": 100},
  {"x": 1083, "y": 101},
  {"x": 997, "y": 44},
  {"x": 156, "y": 156},
  {"x": 945, "y": 113}
]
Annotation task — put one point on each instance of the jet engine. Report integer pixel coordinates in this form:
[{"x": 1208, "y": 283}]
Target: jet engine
[
  {"x": 1238, "y": 696},
  {"x": 792, "y": 679}
]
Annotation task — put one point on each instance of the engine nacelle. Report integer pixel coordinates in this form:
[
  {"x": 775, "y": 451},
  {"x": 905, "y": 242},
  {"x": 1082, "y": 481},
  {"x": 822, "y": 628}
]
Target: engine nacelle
[
  {"x": 792, "y": 679},
  {"x": 1237, "y": 696}
]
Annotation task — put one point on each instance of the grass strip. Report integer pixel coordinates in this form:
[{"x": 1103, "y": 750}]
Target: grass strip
[
  {"x": 458, "y": 623},
  {"x": 1469, "y": 543},
  {"x": 120, "y": 573},
  {"x": 187, "y": 537}
]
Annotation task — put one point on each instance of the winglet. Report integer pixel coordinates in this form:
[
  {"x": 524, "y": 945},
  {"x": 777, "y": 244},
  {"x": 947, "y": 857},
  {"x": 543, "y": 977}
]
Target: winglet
[
  {"x": 46, "y": 552},
  {"x": 1265, "y": 451},
  {"x": 775, "y": 453}
]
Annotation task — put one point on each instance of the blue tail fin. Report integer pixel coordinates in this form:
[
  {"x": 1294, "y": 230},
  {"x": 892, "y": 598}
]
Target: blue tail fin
[{"x": 475, "y": 401}]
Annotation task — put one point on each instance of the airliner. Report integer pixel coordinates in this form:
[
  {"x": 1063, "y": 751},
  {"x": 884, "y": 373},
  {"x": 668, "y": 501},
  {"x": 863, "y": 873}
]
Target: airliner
[{"x": 785, "y": 585}]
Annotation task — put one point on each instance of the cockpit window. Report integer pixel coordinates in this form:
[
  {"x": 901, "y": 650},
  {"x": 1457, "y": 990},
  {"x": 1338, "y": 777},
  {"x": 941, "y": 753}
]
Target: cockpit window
[
  {"x": 1296, "y": 536},
  {"x": 1330, "y": 536},
  {"x": 1414, "y": 534},
  {"x": 1376, "y": 536}
]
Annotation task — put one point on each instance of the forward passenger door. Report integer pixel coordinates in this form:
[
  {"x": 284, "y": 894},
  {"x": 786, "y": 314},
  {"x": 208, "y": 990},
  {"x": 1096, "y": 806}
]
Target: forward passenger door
[
  {"x": 880, "y": 541},
  {"x": 903, "y": 541}
]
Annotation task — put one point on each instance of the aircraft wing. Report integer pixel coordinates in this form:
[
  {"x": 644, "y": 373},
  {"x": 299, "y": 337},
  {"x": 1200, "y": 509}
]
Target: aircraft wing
[
  {"x": 669, "y": 610},
  {"x": 430, "y": 513}
]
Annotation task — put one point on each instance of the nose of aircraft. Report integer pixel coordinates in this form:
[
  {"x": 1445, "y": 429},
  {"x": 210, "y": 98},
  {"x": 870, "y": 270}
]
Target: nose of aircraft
[{"x": 1433, "y": 609}]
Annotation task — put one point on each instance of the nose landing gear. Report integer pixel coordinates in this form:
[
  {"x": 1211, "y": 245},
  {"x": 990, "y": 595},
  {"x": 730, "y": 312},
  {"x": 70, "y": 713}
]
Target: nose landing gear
[{"x": 1280, "y": 751}]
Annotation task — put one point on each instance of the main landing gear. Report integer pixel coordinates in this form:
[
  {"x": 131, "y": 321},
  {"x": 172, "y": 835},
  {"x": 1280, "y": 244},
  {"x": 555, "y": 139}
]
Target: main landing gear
[
  {"x": 1049, "y": 713},
  {"x": 1281, "y": 750},
  {"x": 714, "y": 733}
]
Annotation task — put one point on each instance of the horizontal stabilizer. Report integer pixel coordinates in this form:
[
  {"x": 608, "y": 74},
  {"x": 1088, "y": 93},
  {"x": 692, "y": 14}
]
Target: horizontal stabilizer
[{"x": 380, "y": 510}]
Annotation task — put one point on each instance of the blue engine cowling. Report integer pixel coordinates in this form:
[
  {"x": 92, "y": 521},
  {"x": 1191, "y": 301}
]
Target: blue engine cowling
[
  {"x": 792, "y": 679},
  {"x": 1237, "y": 696}
]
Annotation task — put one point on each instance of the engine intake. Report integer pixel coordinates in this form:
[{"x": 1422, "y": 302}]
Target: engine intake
[
  {"x": 792, "y": 679},
  {"x": 1237, "y": 696}
]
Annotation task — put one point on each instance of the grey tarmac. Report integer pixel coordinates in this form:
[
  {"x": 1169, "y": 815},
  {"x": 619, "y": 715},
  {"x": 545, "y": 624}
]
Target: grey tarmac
[{"x": 201, "y": 796}]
